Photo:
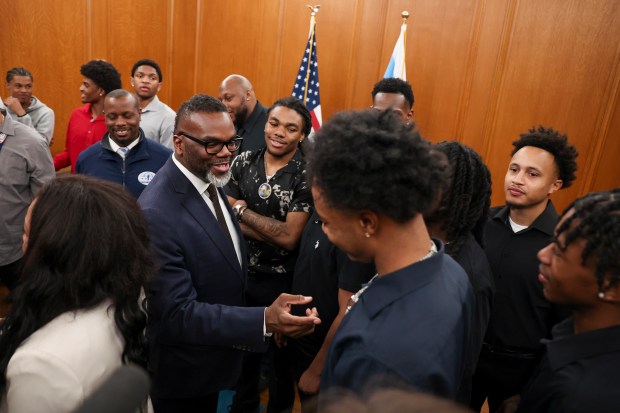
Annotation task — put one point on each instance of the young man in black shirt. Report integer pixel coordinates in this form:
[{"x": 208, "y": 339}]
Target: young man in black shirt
[
  {"x": 580, "y": 268},
  {"x": 542, "y": 163},
  {"x": 272, "y": 201}
]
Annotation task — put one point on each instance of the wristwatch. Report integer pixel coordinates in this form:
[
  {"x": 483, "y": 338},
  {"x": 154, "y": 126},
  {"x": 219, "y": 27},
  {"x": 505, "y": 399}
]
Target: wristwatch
[{"x": 239, "y": 211}]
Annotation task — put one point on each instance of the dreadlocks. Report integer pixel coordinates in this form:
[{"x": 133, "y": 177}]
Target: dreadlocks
[
  {"x": 596, "y": 219},
  {"x": 465, "y": 203}
]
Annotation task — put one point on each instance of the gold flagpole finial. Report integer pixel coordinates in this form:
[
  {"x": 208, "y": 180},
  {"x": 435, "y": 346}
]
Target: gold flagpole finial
[
  {"x": 405, "y": 16},
  {"x": 315, "y": 9}
]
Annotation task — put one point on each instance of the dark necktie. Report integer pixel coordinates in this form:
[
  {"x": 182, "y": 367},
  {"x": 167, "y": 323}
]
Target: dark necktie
[{"x": 218, "y": 210}]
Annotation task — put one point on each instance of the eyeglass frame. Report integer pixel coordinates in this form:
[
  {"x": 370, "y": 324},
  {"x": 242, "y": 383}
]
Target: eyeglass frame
[{"x": 205, "y": 144}]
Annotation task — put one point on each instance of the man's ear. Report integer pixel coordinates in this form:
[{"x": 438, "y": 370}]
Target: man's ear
[{"x": 555, "y": 186}]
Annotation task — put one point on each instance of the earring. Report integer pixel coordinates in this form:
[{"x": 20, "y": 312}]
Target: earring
[
  {"x": 100, "y": 94},
  {"x": 366, "y": 234},
  {"x": 601, "y": 295}
]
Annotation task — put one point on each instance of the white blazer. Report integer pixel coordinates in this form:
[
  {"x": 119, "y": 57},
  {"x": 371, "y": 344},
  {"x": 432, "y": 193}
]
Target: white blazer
[{"x": 63, "y": 362}]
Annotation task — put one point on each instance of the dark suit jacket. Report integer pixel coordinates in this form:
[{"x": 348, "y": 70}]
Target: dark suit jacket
[{"x": 195, "y": 301}]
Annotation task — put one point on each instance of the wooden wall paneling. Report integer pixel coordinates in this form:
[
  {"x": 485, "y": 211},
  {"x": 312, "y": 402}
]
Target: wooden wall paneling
[
  {"x": 230, "y": 35},
  {"x": 603, "y": 171},
  {"x": 487, "y": 73},
  {"x": 99, "y": 25},
  {"x": 183, "y": 52},
  {"x": 367, "y": 59},
  {"x": 51, "y": 42},
  {"x": 440, "y": 46},
  {"x": 269, "y": 53},
  {"x": 548, "y": 75},
  {"x": 126, "y": 31},
  {"x": 335, "y": 32}
]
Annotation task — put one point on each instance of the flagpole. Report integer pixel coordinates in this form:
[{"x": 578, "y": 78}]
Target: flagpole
[
  {"x": 405, "y": 16},
  {"x": 315, "y": 10}
]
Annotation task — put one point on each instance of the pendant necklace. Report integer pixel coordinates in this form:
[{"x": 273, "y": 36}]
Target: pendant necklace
[{"x": 264, "y": 190}]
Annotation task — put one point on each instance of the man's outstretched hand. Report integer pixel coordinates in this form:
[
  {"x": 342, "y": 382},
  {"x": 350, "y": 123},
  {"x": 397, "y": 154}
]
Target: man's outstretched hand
[{"x": 278, "y": 317}]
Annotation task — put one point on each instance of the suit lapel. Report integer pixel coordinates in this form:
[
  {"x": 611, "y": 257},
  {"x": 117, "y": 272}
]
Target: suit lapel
[{"x": 193, "y": 202}]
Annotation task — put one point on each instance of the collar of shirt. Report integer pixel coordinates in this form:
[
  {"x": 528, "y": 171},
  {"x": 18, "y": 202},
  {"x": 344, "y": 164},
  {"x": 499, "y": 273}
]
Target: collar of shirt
[
  {"x": 86, "y": 113},
  {"x": 566, "y": 347},
  {"x": 292, "y": 166},
  {"x": 153, "y": 106},
  {"x": 114, "y": 146},
  {"x": 390, "y": 287},
  {"x": 545, "y": 222},
  {"x": 200, "y": 185}
]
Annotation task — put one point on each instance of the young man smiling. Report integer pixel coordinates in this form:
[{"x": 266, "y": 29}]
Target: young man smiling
[
  {"x": 542, "y": 163},
  {"x": 272, "y": 201},
  {"x": 124, "y": 155},
  {"x": 26, "y": 108}
]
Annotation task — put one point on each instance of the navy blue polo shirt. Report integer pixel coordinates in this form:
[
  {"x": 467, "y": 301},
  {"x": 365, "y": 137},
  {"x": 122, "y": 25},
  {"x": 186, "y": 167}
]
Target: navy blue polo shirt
[
  {"x": 409, "y": 327},
  {"x": 321, "y": 269}
]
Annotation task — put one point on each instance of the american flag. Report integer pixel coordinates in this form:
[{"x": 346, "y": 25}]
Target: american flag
[{"x": 306, "y": 86}]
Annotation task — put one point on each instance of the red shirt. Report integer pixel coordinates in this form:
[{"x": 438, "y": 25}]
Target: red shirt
[{"x": 82, "y": 132}]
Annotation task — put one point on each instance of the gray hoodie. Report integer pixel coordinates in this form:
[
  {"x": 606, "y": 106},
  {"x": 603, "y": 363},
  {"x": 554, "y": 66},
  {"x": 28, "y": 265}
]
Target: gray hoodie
[{"x": 37, "y": 116}]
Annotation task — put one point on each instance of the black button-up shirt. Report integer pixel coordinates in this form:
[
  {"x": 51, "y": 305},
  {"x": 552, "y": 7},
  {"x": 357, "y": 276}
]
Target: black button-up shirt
[
  {"x": 521, "y": 314},
  {"x": 579, "y": 373},
  {"x": 253, "y": 130},
  {"x": 289, "y": 193}
]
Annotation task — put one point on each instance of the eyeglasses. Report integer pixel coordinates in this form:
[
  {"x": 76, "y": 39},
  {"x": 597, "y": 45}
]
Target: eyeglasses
[{"x": 213, "y": 147}]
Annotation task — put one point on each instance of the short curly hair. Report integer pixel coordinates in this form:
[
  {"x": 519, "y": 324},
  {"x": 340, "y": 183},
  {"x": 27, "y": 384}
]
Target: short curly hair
[
  {"x": 394, "y": 85},
  {"x": 596, "y": 219},
  {"x": 557, "y": 145},
  {"x": 370, "y": 160},
  {"x": 103, "y": 73}
]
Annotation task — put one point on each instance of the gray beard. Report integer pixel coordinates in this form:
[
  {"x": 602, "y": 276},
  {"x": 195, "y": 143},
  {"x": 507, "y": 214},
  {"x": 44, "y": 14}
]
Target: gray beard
[{"x": 219, "y": 181}]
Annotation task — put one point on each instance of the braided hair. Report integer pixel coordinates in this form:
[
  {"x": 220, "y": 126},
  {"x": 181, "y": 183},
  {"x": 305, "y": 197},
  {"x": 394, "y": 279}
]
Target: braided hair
[
  {"x": 596, "y": 219},
  {"x": 465, "y": 202}
]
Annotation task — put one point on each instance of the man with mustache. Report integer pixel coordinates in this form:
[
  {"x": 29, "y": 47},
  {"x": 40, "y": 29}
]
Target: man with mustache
[
  {"x": 123, "y": 155},
  {"x": 198, "y": 323},
  {"x": 542, "y": 163},
  {"x": 249, "y": 116},
  {"x": 273, "y": 202}
]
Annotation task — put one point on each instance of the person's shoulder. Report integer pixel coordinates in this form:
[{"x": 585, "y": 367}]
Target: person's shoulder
[{"x": 28, "y": 135}]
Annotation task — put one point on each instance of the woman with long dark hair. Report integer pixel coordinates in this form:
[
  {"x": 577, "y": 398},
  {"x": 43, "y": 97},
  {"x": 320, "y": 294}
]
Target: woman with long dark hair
[{"x": 76, "y": 315}]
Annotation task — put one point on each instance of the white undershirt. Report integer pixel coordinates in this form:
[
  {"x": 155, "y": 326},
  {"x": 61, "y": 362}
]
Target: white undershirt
[{"x": 516, "y": 227}]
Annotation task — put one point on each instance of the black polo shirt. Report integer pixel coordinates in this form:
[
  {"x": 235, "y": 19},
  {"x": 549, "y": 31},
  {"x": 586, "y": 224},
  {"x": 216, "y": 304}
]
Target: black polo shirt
[
  {"x": 474, "y": 261},
  {"x": 521, "y": 315},
  {"x": 289, "y": 193},
  {"x": 253, "y": 130},
  {"x": 321, "y": 269},
  {"x": 579, "y": 373}
]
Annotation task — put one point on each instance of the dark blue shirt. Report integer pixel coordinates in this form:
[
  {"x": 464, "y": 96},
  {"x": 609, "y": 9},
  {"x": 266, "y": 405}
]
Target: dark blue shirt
[{"x": 409, "y": 327}]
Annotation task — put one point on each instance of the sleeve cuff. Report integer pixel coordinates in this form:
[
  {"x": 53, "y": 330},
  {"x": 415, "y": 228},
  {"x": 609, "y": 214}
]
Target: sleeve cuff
[{"x": 265, "y": 333}]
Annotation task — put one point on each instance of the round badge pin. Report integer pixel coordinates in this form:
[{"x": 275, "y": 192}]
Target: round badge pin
[{"x": 264, "y": 190}]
